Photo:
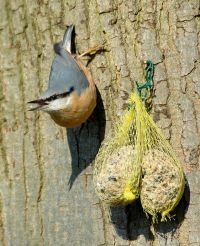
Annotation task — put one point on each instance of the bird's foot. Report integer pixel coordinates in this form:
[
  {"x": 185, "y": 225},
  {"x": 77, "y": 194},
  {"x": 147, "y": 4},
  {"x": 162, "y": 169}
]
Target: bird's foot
[{"x": 93, "y": 50}]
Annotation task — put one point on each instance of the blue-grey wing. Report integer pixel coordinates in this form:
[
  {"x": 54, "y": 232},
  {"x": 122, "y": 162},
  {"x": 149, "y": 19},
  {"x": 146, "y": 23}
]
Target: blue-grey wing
[{"x": 65, "y": 74}]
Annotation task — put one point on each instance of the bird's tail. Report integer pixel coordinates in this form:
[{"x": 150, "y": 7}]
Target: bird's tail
[{"x": 67, "y": 38}]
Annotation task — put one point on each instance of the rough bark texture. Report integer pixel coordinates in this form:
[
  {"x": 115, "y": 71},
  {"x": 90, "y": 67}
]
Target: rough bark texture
[{"x": 46, "y": 189}]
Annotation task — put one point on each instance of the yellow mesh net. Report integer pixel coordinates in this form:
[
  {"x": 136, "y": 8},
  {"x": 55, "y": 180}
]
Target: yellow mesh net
[
  {"x": 116, "y": 177},
  {"x": 138, "y": 161}
]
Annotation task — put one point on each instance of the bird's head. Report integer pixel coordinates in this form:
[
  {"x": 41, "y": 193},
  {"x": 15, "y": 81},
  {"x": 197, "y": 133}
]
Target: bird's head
[{"x": 52, "y": 103}]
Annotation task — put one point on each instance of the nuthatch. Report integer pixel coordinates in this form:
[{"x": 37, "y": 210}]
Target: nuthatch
[{"x": 71, "y": 95}]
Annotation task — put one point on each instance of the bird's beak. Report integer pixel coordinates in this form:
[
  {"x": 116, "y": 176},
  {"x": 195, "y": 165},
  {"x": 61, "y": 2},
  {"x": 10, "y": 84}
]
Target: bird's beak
[{"x": 40, "y": 103}]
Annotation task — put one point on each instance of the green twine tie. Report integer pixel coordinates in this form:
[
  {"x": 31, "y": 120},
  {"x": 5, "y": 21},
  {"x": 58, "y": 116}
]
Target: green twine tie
[{"x": 148, "y": 85}]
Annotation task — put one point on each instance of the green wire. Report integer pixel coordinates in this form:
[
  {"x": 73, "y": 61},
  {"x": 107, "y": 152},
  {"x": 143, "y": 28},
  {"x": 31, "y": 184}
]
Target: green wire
[{"x": 148, "y": 85}]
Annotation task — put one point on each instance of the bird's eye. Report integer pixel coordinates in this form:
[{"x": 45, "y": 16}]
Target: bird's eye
[
  {"x": 67, "y": 92},
  {"x": 56, "y": 96},
  {"x": 53, "y": 97}
]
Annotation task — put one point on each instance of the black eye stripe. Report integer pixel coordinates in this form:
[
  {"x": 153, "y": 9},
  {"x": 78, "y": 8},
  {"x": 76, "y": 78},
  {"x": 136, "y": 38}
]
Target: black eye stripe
[{"x": 56, "y": 96}]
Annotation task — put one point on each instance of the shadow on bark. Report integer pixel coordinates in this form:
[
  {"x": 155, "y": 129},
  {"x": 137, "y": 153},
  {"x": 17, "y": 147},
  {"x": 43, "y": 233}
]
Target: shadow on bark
[
  {"x": 130, "y": 222},
  {"x": 84, "y": 141}
]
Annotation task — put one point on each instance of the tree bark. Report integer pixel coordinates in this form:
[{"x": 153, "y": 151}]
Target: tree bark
[{"x": 46, "y": 190}]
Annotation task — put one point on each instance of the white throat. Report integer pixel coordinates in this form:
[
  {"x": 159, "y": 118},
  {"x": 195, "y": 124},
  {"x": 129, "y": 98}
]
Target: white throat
[{"x": 57, "y": 104}]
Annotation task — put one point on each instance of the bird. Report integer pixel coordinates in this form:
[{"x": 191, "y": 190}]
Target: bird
[{"x": 71, "y": 94}]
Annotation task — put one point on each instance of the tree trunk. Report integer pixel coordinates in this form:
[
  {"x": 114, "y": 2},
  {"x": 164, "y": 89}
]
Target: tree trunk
[{"x": 46, "y": 190}]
